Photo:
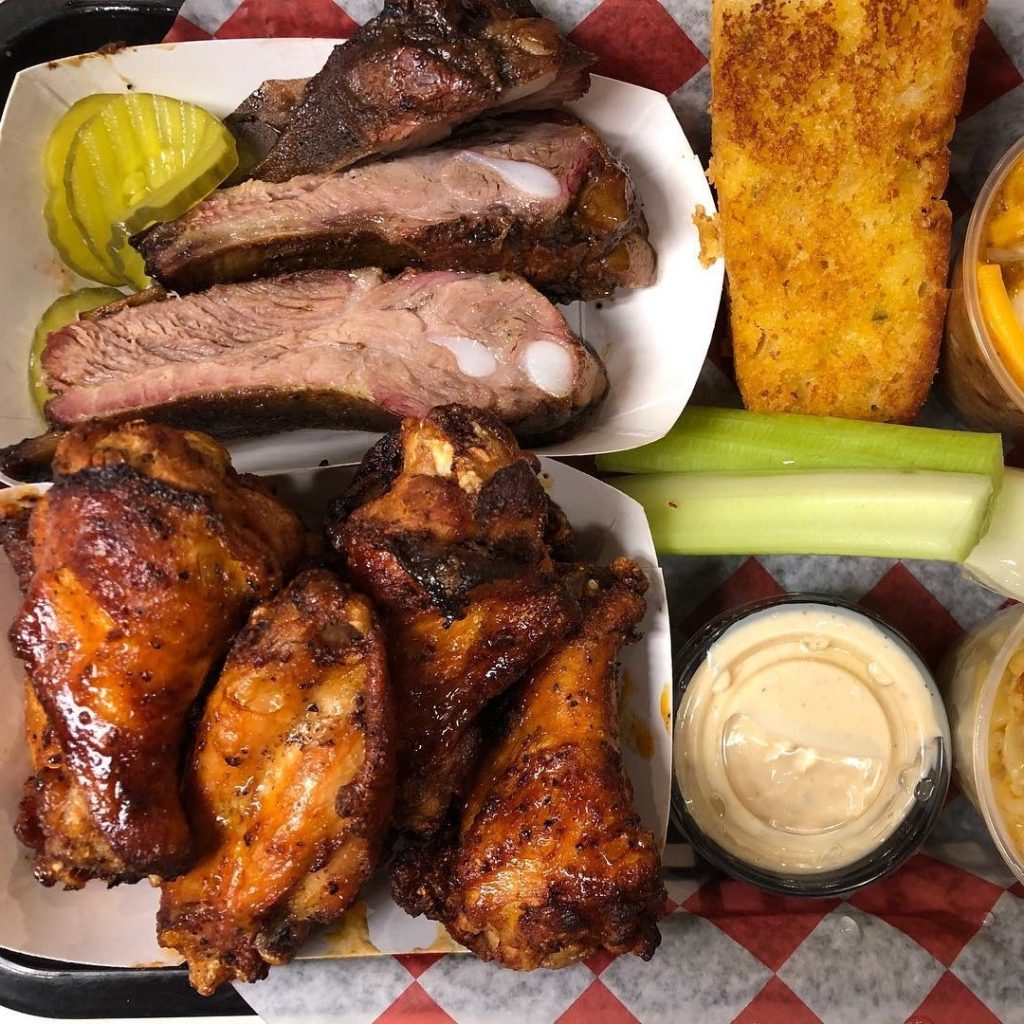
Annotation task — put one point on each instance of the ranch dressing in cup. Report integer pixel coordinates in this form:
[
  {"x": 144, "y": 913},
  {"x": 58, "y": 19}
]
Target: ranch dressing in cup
[{"x": 807, "y": 734}]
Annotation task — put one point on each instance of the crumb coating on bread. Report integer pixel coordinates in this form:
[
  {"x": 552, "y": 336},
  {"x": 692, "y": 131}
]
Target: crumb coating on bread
[{"x": 831, "y": 121}]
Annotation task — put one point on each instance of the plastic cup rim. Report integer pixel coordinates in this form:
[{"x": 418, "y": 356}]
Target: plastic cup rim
[
  {"x": 893, "y": 851},
  {"x": 968, "y": 263},
  {"x": 988, "y": 808}
]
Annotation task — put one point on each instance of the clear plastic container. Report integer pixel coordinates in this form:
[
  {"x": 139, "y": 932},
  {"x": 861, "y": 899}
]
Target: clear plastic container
[
  {"x": 926, "y": 791},
  {"x": 971, "y": 679},
  {"x": 980, "y": 388}
]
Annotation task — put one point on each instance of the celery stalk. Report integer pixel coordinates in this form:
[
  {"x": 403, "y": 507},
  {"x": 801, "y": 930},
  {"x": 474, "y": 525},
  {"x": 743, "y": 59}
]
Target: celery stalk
[
  {"x": 708, "y": 440},
  {"x": 997, "y": 561},
  {"x": 884, "y": 513}
]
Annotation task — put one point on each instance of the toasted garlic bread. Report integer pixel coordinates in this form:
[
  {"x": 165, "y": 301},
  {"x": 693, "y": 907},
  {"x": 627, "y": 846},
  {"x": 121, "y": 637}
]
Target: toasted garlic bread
[{"x": 830, "y": 126}]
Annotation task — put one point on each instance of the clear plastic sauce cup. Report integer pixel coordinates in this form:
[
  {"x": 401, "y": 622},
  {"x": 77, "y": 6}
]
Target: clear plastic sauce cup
[
  {"x": 982, "y": 683},
  {"x": 812, "y": 750},
  {"x": 981, "y": 375}
]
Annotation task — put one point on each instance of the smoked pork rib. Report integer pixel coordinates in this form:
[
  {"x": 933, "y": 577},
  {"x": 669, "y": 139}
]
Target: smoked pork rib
[
  {"x": 332, "y": 349},
  {"x": 257, "y": 122},
  {"x": 417, "y": 70},
  {"x": 146, "y": 555},
  {"x": 538, "y": 195}
]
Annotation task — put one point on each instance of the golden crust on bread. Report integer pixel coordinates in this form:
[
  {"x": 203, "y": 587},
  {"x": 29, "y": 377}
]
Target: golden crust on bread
[{"x": 830, "y": 126}]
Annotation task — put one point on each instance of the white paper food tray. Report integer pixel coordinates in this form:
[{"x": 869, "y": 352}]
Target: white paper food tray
[
  {"x": 653, "y": 340},
  {"x": 116, "y": 927}
]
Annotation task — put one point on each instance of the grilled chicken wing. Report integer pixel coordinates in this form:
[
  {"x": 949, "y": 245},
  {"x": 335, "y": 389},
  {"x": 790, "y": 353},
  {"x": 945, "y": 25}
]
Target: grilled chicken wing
[
  {"x": 290, "y": 786},
  {"x": 59, "y": 799},
  {"x": 146, "y": 555},
  {"x": 547, "y": 860},
  {"x": 446, "y": 527}
]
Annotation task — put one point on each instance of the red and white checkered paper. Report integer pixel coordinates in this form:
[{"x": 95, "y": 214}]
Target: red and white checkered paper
[{"x": 939, "y": 942}]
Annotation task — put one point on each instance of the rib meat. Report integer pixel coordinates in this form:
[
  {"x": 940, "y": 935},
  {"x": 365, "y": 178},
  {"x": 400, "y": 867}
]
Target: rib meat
[
  {"x": 539, "y": 195},
  {"x": 329, "y": 349},
  {"x": 146, "y": 555},
  {"x": 408, "y": 76},
  {"x": 546, "y": 861},
  {"x": 447, "y": 528},
  {"x": 258, "y": 121},
  {"x": 290, "y": 785}
]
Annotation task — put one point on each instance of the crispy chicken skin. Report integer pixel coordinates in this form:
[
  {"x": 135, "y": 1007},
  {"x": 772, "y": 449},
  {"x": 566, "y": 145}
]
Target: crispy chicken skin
[
  {"x": 446, "y": 526},
  {"x": 146, "y": 555},
  {"x": 15, "y": 518},
  {"x": 547, "y": 860},
  {"x": 55, "y": 818},
  {"x": 290, "y": 786}
]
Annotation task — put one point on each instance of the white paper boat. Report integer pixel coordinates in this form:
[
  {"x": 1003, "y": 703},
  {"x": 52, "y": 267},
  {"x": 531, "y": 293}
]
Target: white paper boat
[
  {"x": 653, "y": 341},
  {"x": 116, "y": 927}
]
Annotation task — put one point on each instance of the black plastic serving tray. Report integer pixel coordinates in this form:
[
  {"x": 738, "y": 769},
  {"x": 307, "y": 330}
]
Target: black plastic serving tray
[{"x": 31, "y": 32}]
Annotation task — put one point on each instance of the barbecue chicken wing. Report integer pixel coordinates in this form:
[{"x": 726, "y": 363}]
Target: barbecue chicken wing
[
  {"x": 145, "y": 556},
  {"x": 290, "y": 787},
  {"x": 447, "y": 527},
  {"x": 547, "y": 861}
]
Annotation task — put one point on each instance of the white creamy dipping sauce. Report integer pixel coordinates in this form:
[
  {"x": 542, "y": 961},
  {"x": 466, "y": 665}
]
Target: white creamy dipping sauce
[{"x": 802, "y": 738}]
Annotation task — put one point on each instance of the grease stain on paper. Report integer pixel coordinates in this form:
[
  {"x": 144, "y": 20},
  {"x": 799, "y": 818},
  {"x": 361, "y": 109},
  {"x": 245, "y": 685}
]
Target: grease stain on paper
[
  {"x": 443, "y": 943},
  {"x": 350, "y": 934},
  {"x": 62, "y": 276},
  {"x": 635, "y": 732},
  {"x": 173, "y": 959}
]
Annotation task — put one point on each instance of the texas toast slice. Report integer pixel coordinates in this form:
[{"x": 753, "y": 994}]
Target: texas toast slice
[{"x": 830, "y": 131}]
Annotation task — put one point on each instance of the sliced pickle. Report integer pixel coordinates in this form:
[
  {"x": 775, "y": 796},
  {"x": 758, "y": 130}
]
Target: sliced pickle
[
  {"x": 57, "y": 145},
  {"x": 64, "y": 233},
  {"x": 59, "y": 314},
  {"x": 142, "y": 158}
]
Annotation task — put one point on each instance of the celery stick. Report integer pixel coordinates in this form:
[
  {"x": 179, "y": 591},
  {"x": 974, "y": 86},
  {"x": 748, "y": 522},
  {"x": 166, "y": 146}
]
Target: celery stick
[
  {"x": 733, "y": 440},
  {"x": 885, "y": 513},
  {"x": 997, "y": 561}
]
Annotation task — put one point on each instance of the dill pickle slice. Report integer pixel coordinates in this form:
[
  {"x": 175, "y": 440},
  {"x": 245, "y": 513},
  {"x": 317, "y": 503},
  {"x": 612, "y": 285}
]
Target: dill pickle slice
[
  {"x": 59, "y": 314},
  {"x": 57, "y": 145},
  {"x": 64, "y": 233},
  {"x": 139, "y": 159}
]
